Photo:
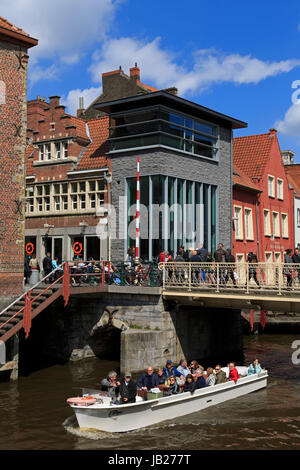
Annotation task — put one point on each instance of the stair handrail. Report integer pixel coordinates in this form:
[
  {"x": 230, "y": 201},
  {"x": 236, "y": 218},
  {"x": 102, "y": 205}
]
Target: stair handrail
[{"x": 31, "y": 288}]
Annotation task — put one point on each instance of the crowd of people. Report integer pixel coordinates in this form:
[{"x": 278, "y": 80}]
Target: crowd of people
[{"x": 170, "y": 380}]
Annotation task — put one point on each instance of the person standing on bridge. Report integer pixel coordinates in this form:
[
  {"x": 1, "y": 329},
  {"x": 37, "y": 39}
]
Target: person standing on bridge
[
  {"x": 288, "y": 271},
  {"x": 47, "y": 265},
  {"x": 219, "y": 256},
  {"x": 296, "y": 260}
]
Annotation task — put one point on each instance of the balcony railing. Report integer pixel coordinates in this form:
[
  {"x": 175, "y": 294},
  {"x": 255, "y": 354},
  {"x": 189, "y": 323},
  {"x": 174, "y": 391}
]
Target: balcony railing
[{"x": 277, "y": 278}]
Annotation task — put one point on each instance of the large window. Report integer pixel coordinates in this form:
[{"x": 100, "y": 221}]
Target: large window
[
  {"x": 161, "y": 126},
  {"x": 271, "y": 186},
  {"x": 65, "y": 197},
  {"x": 279, "y": 189},
  {"x": 284, "y": 225},
  {"x": 173, "y": 212},
  {"x": 53, "y": 151}
]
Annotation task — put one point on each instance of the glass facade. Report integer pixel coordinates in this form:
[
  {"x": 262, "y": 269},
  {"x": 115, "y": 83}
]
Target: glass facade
[
  {"x": 173, "y": 212},
  {"x": 161, "y": 126}
]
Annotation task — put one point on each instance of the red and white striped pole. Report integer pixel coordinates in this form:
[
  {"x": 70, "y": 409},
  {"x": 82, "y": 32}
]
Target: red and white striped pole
[{"x": 137, "y": 218}]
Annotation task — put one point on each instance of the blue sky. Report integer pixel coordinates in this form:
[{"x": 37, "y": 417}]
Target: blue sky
[{"x": 239, "y": 58}]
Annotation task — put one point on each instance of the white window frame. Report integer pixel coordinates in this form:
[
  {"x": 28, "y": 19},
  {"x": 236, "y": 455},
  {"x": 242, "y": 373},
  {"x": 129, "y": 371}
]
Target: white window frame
[
  {"x": 280, "y": 193},
  {"x": 285, "y": 229},
  {"x": 277, "y": 255},
  {"x": 41, "y": 153},
  {"x": 248, "y": 236},
  {"x": 276, "y": 229},
  {"x": 58, "y": 150},
  {"x": 271, "y": 186},
  {"x": 65, "y": 150},
  {"x": 238, "y": 224},
  {"x": 267, "y": 230},
  {"x": 298, "y": 217},
  {"x": 48, "y": 151}
]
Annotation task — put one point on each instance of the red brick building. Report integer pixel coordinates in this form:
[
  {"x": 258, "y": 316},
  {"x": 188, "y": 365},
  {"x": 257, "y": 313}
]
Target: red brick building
[
  {"x": 262, "y": 212},
  {"x": 14, "y": 45}
]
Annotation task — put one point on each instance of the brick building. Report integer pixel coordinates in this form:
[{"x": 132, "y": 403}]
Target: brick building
[
  {"x": 245, "y": 212},
  {"x": 263, "y": 224},
  {"x": 14, "y": 45}
]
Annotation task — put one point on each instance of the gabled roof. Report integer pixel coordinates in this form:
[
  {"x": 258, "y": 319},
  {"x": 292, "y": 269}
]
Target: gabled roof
[
  {"x": 15, "y": 34},
  {"x": 252, "y": 153},
  {"x": 94, "y": 155},
  {"x": 239, "y": 178}
]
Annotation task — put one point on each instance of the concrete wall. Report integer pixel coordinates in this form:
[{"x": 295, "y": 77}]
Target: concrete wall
[{"x": 178, "y": 165}]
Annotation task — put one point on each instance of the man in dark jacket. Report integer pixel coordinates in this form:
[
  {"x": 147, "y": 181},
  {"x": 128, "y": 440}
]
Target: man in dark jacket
[
  {"x": 202, "y": 252},
  {"x": 199, "y": 379},
  {"x": 229, "y": 258},
  {"x": 47, "y": 264},
  {"x": 148, "y": 379},
  {"x": 219, "y": 254},
  {"x": 296, "y": 260},
  {"x": 128, "y": 389}
]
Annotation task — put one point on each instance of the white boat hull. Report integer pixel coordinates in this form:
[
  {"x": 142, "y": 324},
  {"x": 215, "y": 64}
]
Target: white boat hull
[{"x": 122, "y": 418}]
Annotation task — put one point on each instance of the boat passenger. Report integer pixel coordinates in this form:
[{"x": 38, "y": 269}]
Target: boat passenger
[
  {"x": 210, "y": 379},
  {"x": 199, "y": 379},
  {"x": 189, "y": 385},
  {"x": 128, "y": 389},
  {"x": 173, "y": 388},
  {"x": 111, "y": 385},
  {"x": 161, "y": 377},
  {"x": 193, "y": 366},
  {"x": 148, "y": 379},
  {"x": 220, "y": 375},
  {"x": 233, "y": 372},
  {"x": 183, "y": 368},
  {"x": 170, "y": 370},
  {"x": 254, "y": 368}
]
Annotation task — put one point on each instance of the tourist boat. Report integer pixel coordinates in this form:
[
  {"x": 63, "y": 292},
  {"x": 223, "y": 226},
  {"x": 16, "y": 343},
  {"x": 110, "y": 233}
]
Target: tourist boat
[{"x": 96, "y": 412}]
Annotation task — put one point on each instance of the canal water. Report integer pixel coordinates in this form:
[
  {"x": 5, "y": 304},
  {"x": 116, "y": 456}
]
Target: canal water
[{"x": 35, "y": 416}]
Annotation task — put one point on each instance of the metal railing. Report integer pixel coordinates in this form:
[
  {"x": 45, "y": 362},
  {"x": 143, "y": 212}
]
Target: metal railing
[{"x": 277, "y": 278}]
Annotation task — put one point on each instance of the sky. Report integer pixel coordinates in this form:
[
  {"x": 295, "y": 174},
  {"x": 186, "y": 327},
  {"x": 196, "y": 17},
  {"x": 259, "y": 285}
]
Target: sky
[{"x": 238, "y": 58}]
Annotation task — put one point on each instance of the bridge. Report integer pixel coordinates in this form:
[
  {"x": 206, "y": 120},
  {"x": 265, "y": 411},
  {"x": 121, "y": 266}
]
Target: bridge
[
  {"x": 148, "y": 312},
  {"x": 258, "y": 286}
]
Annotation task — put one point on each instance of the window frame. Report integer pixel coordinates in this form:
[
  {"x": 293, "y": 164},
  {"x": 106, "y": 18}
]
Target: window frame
[
  {"x": 239, "y": 235},
  {"x": 250, "y": 237},
  {"x": 280, "y": 180},
  {"x": 267, "y": 233},
  {"x": 272, "y": 179},
  {"x": 276, "y": 233},
  {"x": 285, "y": 233}
]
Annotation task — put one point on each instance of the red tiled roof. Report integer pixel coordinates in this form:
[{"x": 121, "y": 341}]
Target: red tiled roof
[
  {"x": 80, "y": 127},
  {"x": 293, "y": 175},
  {"x": 251, "y": 153},
  {"x": 6, "y": 24},
  {"x": 241, "y": 179},
  {"x": 94, "y": 156},
  {"x": 150, "y": 88}
]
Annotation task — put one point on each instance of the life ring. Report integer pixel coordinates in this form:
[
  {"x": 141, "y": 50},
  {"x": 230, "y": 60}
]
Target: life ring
[{"x": 83, "y": 401}]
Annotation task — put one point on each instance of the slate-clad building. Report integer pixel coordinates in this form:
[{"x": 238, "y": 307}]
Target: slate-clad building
[{"x": 185, "y": 173}]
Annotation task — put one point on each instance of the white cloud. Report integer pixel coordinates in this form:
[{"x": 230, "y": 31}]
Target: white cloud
[
  {"x": 290, "y": 124},
  {"x": 72, "y": 99},
  {"x": 64, "y": 28},
  {"x": 160, "y": 67}
]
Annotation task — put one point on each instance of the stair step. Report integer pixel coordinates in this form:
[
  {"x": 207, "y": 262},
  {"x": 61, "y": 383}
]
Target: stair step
[{"x": 12, "y": 320}]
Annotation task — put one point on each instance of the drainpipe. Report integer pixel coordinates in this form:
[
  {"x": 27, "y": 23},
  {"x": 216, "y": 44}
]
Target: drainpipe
[
  {"x": 108, "y": 182},
  {"x": 257, "y": 230}
]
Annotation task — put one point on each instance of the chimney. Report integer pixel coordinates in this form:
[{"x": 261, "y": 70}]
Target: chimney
[
  {"x": 54, "y": 100},
  {"x": 80, "y": 110},
  {"x": 135, "y": 72},
  {"x": 273, "y": 131}
]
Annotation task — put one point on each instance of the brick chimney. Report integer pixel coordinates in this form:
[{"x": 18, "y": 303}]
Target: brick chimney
[
  {"x": 54, "y": 100},
  {"x": 135, "y": 72},
  {"x": 273, "y": 131}
]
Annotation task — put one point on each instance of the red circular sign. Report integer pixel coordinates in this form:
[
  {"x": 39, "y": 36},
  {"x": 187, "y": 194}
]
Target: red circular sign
[
  {"x": 77, "y": 248},
  {"x": 29, "y": 248}
]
